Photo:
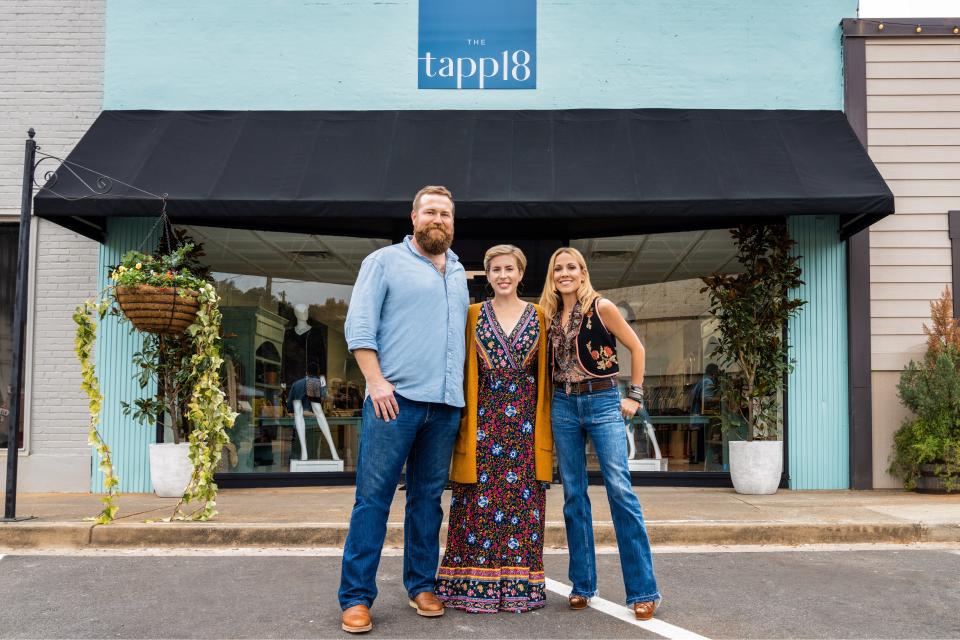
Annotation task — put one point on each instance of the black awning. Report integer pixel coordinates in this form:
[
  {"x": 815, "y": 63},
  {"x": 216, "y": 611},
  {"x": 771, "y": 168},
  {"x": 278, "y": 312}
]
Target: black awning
[{"x": 583, "y": 172}]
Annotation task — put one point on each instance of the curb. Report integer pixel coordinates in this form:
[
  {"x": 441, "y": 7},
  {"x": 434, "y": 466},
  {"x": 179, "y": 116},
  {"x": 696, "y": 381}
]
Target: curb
[{"x": 34, "y": 535}]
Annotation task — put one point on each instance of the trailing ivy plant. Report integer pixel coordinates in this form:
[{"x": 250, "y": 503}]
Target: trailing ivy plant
[
  {"x": 207, "y": 411},
  {"x": 194, "y": 362},
  {"x": 86, "y": 338},
  {"x": 753, "y": 308}
]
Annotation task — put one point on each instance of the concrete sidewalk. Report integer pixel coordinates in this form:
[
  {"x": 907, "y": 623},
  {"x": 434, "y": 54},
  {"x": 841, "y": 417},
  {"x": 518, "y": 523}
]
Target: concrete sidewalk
[{"x": 318, "y": 516}]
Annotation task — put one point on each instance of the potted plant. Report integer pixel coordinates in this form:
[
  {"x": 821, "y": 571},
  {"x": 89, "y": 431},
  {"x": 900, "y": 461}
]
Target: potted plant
[
  {"x": 926, "y": 447},
  {"x": 183, "y": 359},
  {"x": 752, "y": 309},
  {"x": 159, "y": 295}
]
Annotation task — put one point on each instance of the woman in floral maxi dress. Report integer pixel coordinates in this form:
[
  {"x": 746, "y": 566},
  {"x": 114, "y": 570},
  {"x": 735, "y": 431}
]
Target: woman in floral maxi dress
[{"x": 494, "y": 555}]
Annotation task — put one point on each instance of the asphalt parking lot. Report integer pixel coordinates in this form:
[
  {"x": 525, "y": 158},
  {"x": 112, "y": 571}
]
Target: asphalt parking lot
[{"x": 908, "y": 592}]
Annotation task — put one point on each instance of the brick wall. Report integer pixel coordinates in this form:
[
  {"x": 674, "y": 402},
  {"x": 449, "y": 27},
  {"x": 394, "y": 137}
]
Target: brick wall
[
  {"x": 51, "y": 79},
  {"x": 65, "y": 274}
]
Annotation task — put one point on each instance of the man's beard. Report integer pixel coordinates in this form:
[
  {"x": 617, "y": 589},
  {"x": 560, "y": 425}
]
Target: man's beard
[{"x": 431, "y": 243}]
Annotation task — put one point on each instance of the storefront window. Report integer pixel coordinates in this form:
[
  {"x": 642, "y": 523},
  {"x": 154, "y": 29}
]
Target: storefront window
[
  {"x": 288, "y": 374},
  {"x": 8, "y": 287},
  {"x": 655, "y": 282}
]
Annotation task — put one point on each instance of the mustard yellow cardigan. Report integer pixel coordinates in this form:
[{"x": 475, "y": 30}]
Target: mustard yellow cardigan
[{"x": 464, "y": 468}]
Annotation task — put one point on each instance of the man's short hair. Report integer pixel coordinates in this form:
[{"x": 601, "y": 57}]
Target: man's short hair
[{"x": 435, "y": 190}]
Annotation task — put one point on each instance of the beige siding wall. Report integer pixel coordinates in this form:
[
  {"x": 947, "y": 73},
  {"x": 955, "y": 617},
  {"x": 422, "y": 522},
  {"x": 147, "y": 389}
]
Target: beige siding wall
[{"x": 913, "y": 118}]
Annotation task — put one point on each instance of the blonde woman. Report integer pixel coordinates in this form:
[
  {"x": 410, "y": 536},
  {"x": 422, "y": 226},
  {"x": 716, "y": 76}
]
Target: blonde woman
[
  {"x": 503, "y": 455},
  {"x": 583, "y": 333}
]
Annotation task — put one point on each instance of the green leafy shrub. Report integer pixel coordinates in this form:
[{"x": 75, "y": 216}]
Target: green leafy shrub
[{"x": 930, "y": 389}]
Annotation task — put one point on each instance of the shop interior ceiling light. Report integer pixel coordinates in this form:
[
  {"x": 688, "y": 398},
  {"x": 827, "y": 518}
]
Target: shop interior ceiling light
[{"x": 311, "y": 255}]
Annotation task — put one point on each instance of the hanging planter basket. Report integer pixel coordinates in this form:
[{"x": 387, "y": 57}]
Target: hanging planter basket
[{"x": 165, "y": 310}]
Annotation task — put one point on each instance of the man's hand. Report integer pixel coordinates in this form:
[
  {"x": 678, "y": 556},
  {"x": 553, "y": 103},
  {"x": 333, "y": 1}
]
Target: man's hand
[
  {"x": 379, "y": 390},
  {"x": 384, "y": 404}
]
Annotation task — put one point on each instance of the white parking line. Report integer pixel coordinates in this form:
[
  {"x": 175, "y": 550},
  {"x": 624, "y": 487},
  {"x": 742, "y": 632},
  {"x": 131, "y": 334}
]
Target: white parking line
[{"x": 620, "y": 612}]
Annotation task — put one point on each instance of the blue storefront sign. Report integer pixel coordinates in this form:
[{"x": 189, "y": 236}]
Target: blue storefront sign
[{"x": 477, "y": 44}]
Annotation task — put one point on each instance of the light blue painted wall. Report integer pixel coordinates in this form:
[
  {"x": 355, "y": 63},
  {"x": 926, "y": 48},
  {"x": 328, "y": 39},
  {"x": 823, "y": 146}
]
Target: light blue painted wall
[
  {"x": 361, "y": 54},
  {"x": 116, "y": 345},
  {"x": 818, "y": 445}
]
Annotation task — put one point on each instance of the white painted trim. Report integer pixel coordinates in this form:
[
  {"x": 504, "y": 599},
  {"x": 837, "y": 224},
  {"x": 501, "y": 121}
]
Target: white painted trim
[
  {"x": 28, "y": 341},
  {"x": 620, "y": 612},
  {"x": 28, "y": 337},
  {"x": 914, "y": 9}
]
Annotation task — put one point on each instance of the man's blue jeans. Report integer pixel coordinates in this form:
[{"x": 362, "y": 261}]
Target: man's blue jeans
[
  {"x": 422, "y": 436},
  {"x": 597, "y": 415}
]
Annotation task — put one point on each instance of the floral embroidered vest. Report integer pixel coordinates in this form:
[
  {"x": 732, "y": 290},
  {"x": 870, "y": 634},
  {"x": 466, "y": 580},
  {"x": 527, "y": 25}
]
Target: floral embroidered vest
[{"x": 596, "y": 347}]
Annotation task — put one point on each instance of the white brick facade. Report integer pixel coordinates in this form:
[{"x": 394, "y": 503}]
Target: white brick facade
[{"x": 51, "y": 79}]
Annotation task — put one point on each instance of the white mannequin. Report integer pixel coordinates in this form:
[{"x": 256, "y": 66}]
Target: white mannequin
[
  {"x": 632, "y": 440},
  {"x": 301, "y": 425},
  {"x": 301, "y": 311},
  {"x": 625, "y": 365}
]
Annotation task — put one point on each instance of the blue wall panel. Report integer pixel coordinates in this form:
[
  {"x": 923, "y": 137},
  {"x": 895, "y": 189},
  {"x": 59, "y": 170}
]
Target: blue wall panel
[
  {"x": 818, "y": 436},
  {"x": 116, "y": 344},
  {"x": 362, "y": 54}
]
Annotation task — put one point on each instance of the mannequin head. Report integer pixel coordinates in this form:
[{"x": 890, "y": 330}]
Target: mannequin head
[{"x": 300, "y": 310}]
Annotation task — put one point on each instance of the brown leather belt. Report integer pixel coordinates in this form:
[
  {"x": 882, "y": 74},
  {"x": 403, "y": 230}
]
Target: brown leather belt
[{"x": 586, "y": 386}]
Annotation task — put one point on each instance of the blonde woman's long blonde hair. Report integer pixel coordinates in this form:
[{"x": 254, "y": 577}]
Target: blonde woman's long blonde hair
[{"x": 550, "y": 300}]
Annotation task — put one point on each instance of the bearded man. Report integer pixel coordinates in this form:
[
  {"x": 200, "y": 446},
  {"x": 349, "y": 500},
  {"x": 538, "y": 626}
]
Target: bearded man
[{"x": 405, "y": 326}]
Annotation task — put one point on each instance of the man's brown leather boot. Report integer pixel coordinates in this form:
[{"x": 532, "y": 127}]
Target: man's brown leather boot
[
  {"x": 427, "y": 605},
  {"x": 356, "y": 619}
]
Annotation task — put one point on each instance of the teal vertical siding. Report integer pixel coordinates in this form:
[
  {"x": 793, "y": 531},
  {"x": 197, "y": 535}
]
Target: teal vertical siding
[
  {"x": 818, "y": 432},
  {"x": 116, "y": 345}
]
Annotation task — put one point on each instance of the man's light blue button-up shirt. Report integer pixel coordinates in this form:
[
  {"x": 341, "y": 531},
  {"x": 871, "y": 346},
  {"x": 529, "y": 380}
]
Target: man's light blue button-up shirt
[{"x": 415, "y": 318}]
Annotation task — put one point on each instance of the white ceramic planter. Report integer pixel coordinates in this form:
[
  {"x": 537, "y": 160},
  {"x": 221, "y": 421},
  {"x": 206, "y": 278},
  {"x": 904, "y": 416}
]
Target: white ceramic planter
[
  {"x": 755, "y": 467},
  {"x": 170, "y": 469}
]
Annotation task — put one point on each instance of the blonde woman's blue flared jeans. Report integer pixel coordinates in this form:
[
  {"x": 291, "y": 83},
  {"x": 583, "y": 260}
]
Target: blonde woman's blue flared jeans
[{"x": 597, "y": 416}]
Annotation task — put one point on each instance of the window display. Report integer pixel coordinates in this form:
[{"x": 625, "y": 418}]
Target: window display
[
  {"x": 297, "y": 389},
  {"x": 299, "y": 392},
  {"x": 655, "y": 282}
]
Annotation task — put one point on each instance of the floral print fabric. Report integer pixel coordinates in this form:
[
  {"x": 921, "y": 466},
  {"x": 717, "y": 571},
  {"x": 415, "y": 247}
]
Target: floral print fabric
[
  {"x": 494, "y": 556},
  {"x": 563, "y": 342}
]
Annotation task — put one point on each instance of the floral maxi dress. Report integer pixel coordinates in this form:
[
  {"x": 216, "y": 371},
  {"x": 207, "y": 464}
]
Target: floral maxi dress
[{"x": 494, "y": 556}]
